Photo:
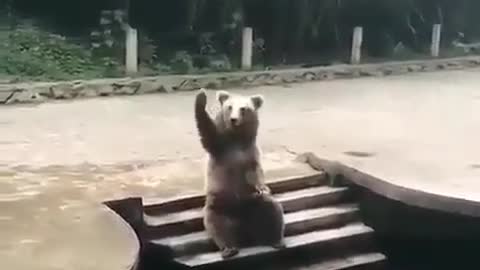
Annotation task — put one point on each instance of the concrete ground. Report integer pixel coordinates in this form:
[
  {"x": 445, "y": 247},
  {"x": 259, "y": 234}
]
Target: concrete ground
[{"x": 418, "y": 131}]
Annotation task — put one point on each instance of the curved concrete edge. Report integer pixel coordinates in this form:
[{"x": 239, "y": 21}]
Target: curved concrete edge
[
  {"x": 37, "y": 92},
  {"x": 130, "y": 210},
  {"x": 419, "y": 198},
  {"x": 132, "y": 262}
]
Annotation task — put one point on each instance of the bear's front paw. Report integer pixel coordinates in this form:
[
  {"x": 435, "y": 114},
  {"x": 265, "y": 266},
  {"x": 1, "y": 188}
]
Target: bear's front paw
[
  {"x": 262, "y": 191},
  {"x": 261, "y": 195},
  {"x": 201, "y": 99},
  {"x": 229, "y": 252}
]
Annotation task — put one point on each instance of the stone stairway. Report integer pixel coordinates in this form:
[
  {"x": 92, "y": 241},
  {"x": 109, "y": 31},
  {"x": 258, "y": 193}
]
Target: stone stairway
[{"x": 324, "y": 230}]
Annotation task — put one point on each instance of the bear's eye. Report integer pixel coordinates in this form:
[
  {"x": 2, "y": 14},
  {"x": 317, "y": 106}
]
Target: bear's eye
[
  {"x": 229, "y": 108},
  {"x": 242, "y": 110}
]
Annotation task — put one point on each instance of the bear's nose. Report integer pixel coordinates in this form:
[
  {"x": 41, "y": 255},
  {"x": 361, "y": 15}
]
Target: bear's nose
[{"x": 234, "y": 121}]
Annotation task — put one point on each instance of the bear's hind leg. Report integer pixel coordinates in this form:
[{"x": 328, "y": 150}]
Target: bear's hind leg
[
  {"x": 278, "y": 224},
  {"x": 223, "y": 230},
  {"x": 268, "y": 225}
]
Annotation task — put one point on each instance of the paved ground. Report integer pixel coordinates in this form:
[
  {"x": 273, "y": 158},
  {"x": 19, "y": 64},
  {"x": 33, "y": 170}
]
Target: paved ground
[{"x": 420, "y": 130}]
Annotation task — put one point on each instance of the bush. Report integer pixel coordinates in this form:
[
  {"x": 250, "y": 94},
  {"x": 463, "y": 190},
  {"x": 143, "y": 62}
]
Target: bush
[{"x": 33, "y": 53}]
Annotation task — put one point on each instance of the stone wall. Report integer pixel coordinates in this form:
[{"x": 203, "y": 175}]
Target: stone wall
[
  {"x": 416, "y": 238},
  {"x": 11, "y": 93}
]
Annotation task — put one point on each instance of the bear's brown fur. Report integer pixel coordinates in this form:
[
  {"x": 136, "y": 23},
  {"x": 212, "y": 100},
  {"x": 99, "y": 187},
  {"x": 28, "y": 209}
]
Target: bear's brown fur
[{"x": 239, "y": 208}]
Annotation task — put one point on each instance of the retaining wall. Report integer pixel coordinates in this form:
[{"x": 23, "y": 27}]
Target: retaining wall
[{"x": 11, "y": 93}]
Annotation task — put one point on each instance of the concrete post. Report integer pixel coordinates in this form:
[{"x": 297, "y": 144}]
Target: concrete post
[
  {"x": 357, "y": 46},
  {"x": 247, "y": 44},
  {"x": 131, "y": 57},
  {"x": 436, "y": 37}
]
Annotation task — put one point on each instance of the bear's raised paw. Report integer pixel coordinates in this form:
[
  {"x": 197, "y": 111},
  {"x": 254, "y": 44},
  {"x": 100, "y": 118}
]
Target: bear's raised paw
[{"x": 201, "y": 99}]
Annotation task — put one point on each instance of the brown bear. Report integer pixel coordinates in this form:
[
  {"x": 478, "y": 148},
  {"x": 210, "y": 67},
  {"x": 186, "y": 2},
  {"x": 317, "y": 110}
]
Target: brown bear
[{"x": 239, "y": 209}]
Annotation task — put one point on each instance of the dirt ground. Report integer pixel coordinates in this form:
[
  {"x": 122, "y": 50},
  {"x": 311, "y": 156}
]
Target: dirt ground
[{"x": 418, "y": 130}]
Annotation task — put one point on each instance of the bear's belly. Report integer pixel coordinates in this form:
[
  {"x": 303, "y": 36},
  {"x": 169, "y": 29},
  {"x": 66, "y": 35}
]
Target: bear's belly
[
  {"x": 238, "y": 158},
  {"x": 228, "y": 205},
  {"x": 233, "y": 181},
  {"x": 235, "y": 173}
]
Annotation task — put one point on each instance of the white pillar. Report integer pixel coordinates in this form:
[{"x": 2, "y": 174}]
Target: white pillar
[
  {"x": 247, "y": 44},
  {"x": 357, "y": 45},
  {"x": 436, "y": 37},
  {"x": 131, "y": 57}
]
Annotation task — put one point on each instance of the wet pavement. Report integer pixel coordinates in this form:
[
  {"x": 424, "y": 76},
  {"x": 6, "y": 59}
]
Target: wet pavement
[{"x": 60, "y": 159}]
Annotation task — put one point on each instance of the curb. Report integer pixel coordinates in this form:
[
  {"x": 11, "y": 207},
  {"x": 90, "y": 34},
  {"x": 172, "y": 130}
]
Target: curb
[{"x": 42, "y": 92}]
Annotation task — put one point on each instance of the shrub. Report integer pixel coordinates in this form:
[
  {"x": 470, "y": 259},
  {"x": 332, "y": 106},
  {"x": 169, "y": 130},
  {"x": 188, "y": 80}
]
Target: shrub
[{"x": 33, "y": 53}]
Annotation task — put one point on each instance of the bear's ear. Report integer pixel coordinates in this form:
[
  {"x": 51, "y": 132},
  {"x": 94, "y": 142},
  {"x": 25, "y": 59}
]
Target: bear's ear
[
  {"x": 257, "y": 101},
  {"x": 222, "y": 96}
]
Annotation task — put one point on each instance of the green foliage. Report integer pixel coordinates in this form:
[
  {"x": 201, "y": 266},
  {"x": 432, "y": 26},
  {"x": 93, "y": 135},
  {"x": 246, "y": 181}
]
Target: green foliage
[
  {"x": 36, "y": 54},
  {"x": 200, "y": 36},
  {"x": 108, "y": 39},
  {"x": 182, "y": 62}
]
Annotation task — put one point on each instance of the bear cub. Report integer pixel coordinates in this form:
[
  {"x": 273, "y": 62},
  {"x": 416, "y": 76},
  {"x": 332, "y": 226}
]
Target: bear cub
[{"x": 239, "y": 208}]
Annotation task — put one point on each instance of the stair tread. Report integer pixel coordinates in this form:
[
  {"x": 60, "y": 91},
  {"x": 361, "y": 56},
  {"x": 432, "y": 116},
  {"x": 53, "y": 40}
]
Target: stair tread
[
  {"x": 290, "y": 218},
  {"x": 295, "y": 241},
  {"x": 197, "y": 213},
  {"x": 345, "y": 262},
  {"x": 275, "y": 183},
  {"x": 303, "y": 215},
  {"x": 178, "y": 217},
  {"x": 308, "y": 192}
]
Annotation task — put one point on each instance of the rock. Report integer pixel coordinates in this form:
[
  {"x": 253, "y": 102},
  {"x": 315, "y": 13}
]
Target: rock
[
  {"x": 104, "y": 89},
  {"x": 429, "y": 67},
  {"x": 129, "y": 88},
  {"x": 85, "y": 91},
  {"x": 261, "y": 79},
  {"x": 343, "y": 73},
  {"x": 355, "y": 73},
  {"x": 454, "y": 65},
  {"x": 414, "y": 68},
  {"x": 5, "y": 94},
  {"x": 151, "y": 86},
  {"x": 290, "y": 78},
  {"x": 36, "y": 98},
  {"x": 372, "y": 72},
  {"x": 203, "y": 81},
  {"x": 78, "y": 87},
  {"x": 61, "y": 91},
  {"x": 170, "y": 83},
  {"x": 442, "y": 66},
  {"x": 214, "y": 85},
  {"x": 235, "y": 81},
  {"x": 43, "y": 90},
  {"x": 249, "y": 78},
  {"x": 23, "y": 95},
  {"x": 474, "y": 62},
  {"x": 309, "y": 76},
  {"x": 397, "y": 70},
  {"x": 274, "y": 79},
  {"x": 188, "y": 84},
  {"x": 325, "y": 75}
]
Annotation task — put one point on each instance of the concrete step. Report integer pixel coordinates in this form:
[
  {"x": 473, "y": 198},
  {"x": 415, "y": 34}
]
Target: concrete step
[
  {"x": 323, "y": 230},
  {"x": 299, "y": 222},
  {"x": 322, "y": 241},
  {"x": 155, "y": 206},
  {"x": 364, "y": 261},
  {"x": 190, "y": 220}
]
